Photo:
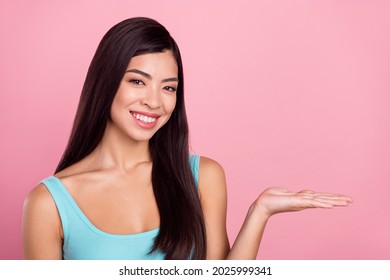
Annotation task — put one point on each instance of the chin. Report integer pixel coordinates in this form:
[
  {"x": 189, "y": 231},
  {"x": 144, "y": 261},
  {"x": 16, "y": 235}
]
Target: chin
[{"x": 142, "y": 136}]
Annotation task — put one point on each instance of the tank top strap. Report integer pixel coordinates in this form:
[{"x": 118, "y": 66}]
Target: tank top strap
[
  {"x": 60, "y": 198},
  {"x": 194, "y": 164}
]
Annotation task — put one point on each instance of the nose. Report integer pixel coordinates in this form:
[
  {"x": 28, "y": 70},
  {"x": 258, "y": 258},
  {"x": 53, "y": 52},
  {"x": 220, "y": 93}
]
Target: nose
[{"x": 152, "y": 98}]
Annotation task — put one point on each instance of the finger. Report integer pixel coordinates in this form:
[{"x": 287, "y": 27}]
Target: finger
[
  {"x": 303, "y": 202},
  {"x": 326, "y": 194},
  {"x": 306, "y": 192},
  {"x": 311, "y": 203},
  {"x": 331, "y": 196},
  {"x": 278, "y": 191},
  {"x": 335, "y": 202},
  {"x": 334, "y": 197}
]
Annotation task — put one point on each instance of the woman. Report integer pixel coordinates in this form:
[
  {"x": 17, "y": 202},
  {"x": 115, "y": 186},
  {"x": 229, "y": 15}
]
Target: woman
[{"x": 126, "y": 186}]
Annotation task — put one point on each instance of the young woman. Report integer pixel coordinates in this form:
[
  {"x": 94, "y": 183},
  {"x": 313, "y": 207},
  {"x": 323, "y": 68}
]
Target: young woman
[{"x": 126, "y": 186}]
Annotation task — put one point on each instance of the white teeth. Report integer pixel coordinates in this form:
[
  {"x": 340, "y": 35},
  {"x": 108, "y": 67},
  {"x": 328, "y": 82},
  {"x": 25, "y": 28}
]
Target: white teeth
[{"x": 144, "y": 118}]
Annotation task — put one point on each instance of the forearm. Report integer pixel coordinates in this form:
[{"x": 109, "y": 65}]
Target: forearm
[{"x": 247, "y": 243}]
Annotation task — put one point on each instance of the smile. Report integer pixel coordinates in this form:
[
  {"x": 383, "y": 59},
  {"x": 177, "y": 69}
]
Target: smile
[{"x": 143, "y": 118}]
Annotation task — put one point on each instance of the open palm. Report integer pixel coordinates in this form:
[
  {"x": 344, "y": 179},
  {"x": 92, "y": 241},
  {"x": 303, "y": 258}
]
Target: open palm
[{"x": 278, "y": 200}]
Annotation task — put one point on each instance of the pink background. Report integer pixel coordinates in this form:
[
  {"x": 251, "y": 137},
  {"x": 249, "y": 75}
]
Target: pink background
[{"x": 281, "y": 93}]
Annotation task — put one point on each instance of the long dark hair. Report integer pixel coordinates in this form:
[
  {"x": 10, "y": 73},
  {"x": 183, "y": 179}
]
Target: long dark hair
[{"x": 182, "y": 230}]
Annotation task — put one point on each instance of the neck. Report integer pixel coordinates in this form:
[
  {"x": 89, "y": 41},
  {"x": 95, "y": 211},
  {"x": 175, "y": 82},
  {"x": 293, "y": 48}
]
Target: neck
[{"x": 119, "y": 151}]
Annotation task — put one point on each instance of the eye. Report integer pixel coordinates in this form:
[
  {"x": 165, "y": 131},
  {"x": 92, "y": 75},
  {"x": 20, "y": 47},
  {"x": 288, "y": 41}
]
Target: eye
[
  {"x": 170, "y": 89},
  {"x": 137, "y": 82}
]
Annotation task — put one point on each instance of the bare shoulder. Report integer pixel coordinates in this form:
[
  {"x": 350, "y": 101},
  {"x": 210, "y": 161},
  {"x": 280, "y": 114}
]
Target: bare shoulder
[
  {"x": 210, "y": 167},
  {"x": 39, "y": 199},
  {"x": 211, "y": 176},
  {"x": 73, "y": 170},
  {"x": 40, "y": 206},
  {"x": 42, "y": 232},
  {"x": 213, "y": 197}
]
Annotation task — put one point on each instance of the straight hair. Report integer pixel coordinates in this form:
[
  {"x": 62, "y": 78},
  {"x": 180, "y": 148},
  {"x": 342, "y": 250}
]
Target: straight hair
[{"x": 182, "y": 232}]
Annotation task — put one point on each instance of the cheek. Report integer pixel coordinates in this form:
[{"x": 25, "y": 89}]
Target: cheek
[
  {"x": 114, "y": 110},
  {"x": 170, "y": 104},
  {"x": 173, "y": 103}
]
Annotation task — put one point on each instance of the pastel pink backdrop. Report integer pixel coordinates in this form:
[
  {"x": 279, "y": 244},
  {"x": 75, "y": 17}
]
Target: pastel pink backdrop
[{"x": 281, "y": 93}]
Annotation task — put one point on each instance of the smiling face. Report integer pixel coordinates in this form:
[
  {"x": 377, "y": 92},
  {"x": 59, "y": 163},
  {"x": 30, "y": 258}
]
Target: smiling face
[{"x": 146, "y": 96}]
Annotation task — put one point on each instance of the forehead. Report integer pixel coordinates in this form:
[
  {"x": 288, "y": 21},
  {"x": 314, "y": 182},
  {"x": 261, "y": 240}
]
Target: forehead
[{"x": 161, "y": 63}]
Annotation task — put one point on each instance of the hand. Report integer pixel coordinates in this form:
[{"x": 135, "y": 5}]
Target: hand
[{"x": 278, "y": 200}]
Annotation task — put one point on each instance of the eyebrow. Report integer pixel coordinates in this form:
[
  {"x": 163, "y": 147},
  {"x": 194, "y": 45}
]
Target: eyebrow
[{"x": 149, "y": 77}]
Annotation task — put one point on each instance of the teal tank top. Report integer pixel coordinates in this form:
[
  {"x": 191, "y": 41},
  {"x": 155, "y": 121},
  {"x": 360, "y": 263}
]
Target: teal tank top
[{"x": 84, "y": 241}]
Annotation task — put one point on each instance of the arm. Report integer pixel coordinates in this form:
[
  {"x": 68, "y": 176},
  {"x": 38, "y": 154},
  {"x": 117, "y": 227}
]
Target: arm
[
  {"x": 270, "y": 202},
  {"x": 213, "y": 197},
  {"x": 42, "y": 230},
  {"x": 273, "y": 201}
]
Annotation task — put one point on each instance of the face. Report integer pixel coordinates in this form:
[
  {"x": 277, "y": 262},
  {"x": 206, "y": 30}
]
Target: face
[{"x": 146, "y": 96}]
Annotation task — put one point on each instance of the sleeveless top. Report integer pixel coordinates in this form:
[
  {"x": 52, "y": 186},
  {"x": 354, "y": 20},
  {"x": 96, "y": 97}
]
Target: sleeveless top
[{"x": 84, "y": 241}]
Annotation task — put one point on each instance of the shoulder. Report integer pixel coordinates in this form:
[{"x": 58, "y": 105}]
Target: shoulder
[
  {"x": 40, "y": 209},
  {"x": 209, "y": 167},
  {"x": 42, "y": 234},
  {"x": 39, "y": 206},
  {"x": 211, "y": 176},
  {"x": 39, "y": 198},
  {"x": 213, "y": 197},
  {"x": 87, "y": 165},
  {"x": 72, "y": 170}
]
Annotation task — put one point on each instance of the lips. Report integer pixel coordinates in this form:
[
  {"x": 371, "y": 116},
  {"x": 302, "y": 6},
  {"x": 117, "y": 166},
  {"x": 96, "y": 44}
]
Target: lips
[{"x": 145, "y": 120}]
